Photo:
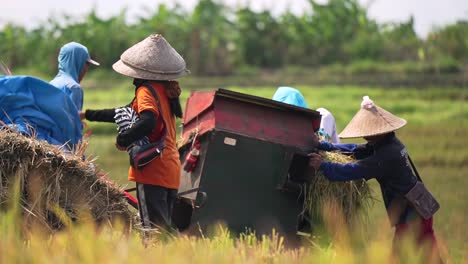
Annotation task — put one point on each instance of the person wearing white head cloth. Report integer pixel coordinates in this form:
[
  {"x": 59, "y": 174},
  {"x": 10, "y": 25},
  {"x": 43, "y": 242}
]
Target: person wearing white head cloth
[
  {"x": 385, "y": 159},
  {"x": 292, "y": 96}
]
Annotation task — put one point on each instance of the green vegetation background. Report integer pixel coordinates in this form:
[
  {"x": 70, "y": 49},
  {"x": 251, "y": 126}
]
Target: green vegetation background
[{"x": 338, "y": 37}]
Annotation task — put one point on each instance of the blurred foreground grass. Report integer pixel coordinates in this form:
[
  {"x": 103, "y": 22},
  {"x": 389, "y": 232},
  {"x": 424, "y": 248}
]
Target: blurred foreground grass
[{"x": 85, "y": 243}]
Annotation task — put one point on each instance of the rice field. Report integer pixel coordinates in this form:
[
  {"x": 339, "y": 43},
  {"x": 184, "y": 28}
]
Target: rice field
[{"x": 435, "y": 138}]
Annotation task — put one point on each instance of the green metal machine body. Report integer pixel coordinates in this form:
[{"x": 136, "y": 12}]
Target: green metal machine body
[{"x": 252, "y": 155}]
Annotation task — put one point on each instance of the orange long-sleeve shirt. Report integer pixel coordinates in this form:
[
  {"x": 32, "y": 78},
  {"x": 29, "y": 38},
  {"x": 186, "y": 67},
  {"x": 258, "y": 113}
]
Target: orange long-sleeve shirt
[{"x": 165, "y": 170}]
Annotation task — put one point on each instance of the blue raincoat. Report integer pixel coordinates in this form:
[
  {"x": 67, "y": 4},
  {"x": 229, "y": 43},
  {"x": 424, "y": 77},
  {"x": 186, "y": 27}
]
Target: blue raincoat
[
  {"x": 71, "y": 60},
  {"x": 36, "y": 107},
  {"x": 290, "y": 95}
]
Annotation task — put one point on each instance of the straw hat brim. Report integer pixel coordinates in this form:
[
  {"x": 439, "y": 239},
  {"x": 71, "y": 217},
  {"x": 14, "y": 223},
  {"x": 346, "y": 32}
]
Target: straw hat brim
[
  {"x": 127, "y": 70},
  {"x": 372, "y": 122}
]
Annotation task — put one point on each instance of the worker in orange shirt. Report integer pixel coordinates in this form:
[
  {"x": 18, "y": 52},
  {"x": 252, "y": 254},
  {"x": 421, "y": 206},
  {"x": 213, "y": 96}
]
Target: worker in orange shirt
[{"x": 154, "y": 65}]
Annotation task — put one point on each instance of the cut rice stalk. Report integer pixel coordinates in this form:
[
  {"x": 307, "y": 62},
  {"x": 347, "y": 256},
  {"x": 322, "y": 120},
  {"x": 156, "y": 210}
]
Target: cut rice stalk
[
  {"x": 51, "y": 178},
  {"x": 352, "y": 198}
]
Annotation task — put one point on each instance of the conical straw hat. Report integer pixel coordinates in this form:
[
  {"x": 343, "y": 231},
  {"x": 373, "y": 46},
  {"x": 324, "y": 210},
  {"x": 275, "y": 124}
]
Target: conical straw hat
[
  {"x": 371, "y": 120},
  {"x": 151, "y": 59}
]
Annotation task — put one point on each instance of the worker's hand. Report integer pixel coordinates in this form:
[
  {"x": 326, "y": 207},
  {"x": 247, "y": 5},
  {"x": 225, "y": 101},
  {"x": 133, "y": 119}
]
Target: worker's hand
[
  {"x": 82, "y": 115},
  {"x": 315, "y": 160}
]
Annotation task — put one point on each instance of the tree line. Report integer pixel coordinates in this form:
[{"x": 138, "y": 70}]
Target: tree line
[{"x": 219, "y": 40}]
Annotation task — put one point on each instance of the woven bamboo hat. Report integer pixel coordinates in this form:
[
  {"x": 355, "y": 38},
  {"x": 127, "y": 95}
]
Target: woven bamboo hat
[
  {"x": 371, "y": 120},
  {"x": 151, "y": 59}
]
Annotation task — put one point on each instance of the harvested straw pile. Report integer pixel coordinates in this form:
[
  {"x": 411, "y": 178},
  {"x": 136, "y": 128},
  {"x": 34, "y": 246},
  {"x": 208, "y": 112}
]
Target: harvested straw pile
[
  {"x": 55, "y": 188},
  {"x": 349, "y": 200}
]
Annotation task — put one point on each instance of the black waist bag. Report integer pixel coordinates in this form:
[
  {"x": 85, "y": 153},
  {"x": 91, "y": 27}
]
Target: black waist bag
[
  {"x": 420, "y": 198},
  {"x": 141, "y": 155}
]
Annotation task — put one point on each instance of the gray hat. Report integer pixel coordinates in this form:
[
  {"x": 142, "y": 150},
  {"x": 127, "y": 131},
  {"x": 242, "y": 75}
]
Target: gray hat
[
  {"x": 371, "y": 120},
  {"x": 151, "y": 59}
]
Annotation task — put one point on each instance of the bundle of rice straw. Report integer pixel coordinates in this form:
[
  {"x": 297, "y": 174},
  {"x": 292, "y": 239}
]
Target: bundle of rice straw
[
  {"x": 350, "y": 200},
  {"x": 55, "y": 187}
]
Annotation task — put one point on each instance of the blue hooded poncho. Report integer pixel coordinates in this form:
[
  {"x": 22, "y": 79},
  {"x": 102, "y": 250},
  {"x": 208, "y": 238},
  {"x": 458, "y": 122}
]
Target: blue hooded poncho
[
  {"x": 71, "y": 60},
  {"x": 290, "y": 95},
  {"x": 33, "y": 106}
]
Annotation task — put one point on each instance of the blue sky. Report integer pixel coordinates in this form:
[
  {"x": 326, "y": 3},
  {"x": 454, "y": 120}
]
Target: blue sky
[{"x": 427, "y": 13}]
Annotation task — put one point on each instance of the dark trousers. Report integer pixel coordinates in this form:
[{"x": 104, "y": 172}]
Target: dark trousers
[{"x": 155, "y": 204}]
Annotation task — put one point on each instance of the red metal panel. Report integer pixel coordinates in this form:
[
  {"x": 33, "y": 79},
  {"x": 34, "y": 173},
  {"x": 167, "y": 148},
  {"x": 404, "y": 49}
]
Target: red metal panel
[
  {"x": 198, "y": 102},
  {"x": 203, "y": 123},
  {"x": 269, "y": 124},
  {"x": 251, "y": 116}
]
